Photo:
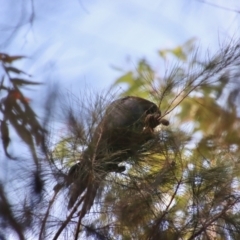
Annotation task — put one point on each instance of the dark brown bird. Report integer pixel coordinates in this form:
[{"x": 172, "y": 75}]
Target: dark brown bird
[{"x": 127, "y": 124}]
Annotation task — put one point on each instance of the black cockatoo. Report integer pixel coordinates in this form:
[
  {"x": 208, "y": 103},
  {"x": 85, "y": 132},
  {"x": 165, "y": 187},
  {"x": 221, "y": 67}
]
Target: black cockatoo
[{"x": 127, "y": 124}]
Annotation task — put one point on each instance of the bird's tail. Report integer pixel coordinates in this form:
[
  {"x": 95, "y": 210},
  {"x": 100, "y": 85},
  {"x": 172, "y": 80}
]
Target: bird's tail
[
  {"x": 84, "y": 182},
  {"x": 79, "y": 177}
]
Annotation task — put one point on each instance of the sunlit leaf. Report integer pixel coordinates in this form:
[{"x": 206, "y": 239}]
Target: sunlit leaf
[
  {"x": 179, "y": 53},
  {"x": 163, "y": 53},
  {"x": 182, "y": 52},
  {"x": 127, "y": 78}
]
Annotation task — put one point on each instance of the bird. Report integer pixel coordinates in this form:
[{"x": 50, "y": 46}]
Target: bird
[{"x": 126, "y": 125}]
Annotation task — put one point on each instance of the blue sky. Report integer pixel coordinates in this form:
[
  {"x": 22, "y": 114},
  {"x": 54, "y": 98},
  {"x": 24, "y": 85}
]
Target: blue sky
[{"x": 76, "y": 42}]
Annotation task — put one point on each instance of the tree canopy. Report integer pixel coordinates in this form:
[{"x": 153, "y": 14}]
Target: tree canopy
[
  {"x": 184, "y": 184},
  {"x": 180, "y": 182}
]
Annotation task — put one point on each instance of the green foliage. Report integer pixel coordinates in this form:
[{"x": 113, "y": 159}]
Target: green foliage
[
  {"x": 184, "y": 185},
  {"x": 145, "y": 81},
  {"x": 66, "y": 152},
  {"x": 182, "y": 53},
  {"x": 190, "y": 191},
  {"x": 136, "y": 81}
]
